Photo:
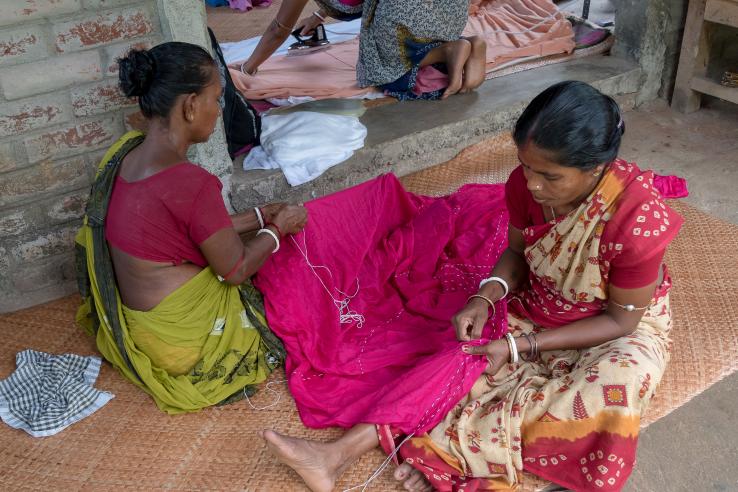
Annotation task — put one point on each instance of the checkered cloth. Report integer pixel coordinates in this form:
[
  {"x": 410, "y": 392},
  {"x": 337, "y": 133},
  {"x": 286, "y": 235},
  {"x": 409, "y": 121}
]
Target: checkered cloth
[{"x": 48, "y": 393}]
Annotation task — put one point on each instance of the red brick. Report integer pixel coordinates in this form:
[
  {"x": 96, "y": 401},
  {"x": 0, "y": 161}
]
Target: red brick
[
  {"x": 8, "y": 157},
  {"x": 100, "y": 98},
  {"x": 50, "y": 273},
  {"x": 17, "y": 11},
  {"x": 22, "y": 45},
  {"x": 30, "y": 114},
  {"x": 135, "y": 120},
  {"x": 69, "y": 207},
  {"x": 49, "y": 243},
  {"x": 50, "y": 74},
  {"x": 72, "y": 140},
  {"x": 112, "y": 53},
  {"x": 47, "y": 177},
  {"x": 106, "y": 28}
]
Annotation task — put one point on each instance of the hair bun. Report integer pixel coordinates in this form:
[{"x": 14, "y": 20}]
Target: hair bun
[{"x": 136, "y": 72}]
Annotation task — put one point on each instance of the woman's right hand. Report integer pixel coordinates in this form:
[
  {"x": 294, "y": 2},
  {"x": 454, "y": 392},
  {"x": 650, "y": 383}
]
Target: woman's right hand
[
  {"x": 469, "y": 322},
  {"x": 308, "y": 24},
  {"x": 291, "y": 219}
]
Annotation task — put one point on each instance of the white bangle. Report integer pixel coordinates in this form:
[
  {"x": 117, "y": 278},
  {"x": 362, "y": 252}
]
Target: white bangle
[
  {"x": 514, "y": 357},
  {"x": 271, "y": 233},
  {"x": 500, "y": 281},
  {"x": 317, "y": 14},
  {"x": 259, "y": 217}
]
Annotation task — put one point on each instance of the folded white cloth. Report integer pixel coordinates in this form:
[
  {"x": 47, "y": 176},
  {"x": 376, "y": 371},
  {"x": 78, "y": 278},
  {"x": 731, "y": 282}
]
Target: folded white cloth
[
  {"x": 47, "y": 393},
  {"x": 303, "y": 144}
]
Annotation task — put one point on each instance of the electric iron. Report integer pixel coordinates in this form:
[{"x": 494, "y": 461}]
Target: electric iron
[{"x": 306, "y": 45}]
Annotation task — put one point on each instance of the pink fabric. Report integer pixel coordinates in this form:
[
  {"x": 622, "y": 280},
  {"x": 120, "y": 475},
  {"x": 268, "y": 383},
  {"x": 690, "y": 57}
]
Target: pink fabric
[
  {"x": 417, "y": 259},
  {"x": 671, "y": 186},
  {"x": 246, "y": 5},
  {"x": 332, "y": 73},
  {"x": 430, "y": 79},
  {"x": 351, "y": 3}
]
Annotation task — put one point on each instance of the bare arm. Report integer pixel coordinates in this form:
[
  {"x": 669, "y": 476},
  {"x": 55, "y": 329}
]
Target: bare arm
[
  {"x": 236, "y": 261},
  {"x": 614, "y": 323},
  {"x": 248, "y": 222},
  {"x": 279, "y": 29},
  {"x": 512, "y": 267}
]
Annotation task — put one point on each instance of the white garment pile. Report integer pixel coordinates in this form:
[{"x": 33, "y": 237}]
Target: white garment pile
[
  {"x": 303, "y": 144},
  {"x": 47, "y": 393}
]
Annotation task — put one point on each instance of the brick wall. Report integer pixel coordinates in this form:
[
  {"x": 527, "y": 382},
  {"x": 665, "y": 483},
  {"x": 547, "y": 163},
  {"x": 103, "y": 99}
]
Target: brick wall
[{"x": 59, "y": 110}]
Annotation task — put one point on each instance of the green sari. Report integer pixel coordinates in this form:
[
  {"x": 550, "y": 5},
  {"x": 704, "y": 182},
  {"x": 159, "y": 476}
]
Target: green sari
[{"x": 206, "y": 343}]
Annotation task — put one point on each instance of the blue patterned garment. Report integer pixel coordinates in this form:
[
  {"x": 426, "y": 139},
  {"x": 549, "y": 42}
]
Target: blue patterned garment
[{"x": 47, "y": 393}]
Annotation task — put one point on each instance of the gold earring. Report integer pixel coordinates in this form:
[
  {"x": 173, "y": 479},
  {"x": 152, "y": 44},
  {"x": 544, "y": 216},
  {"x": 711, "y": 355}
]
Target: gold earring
[{"x": 596, "y": 174}]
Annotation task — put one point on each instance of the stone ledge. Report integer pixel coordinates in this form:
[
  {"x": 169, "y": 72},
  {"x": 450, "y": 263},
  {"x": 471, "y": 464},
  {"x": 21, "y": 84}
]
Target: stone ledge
[{"x": 406, "y": 137}]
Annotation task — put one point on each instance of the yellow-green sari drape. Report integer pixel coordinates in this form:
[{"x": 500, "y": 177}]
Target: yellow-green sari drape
[{"x": 205, "y": 343}]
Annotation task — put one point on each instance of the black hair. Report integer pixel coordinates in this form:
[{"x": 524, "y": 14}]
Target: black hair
[
  {"x": 157, "y": 76},
  {"x": 575, "y": 123}
]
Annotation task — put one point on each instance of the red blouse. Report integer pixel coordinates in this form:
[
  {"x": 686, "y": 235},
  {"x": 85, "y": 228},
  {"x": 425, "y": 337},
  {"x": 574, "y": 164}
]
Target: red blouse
[
  {"x": 166, "y": 216},
  {"x": 629, "y": 268}
]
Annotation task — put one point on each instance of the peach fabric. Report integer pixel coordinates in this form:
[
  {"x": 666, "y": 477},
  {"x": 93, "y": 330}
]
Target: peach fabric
[
  {"x": 332, "y": 73},
  {"x": 550, "y": 33}
]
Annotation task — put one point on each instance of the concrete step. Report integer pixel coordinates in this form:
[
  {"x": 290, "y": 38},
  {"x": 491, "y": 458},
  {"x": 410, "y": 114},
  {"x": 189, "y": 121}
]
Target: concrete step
[{"x": 410, "y": 136}]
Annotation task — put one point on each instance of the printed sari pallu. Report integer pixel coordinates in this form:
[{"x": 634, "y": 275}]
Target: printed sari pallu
[{"x": 573, "y": 416}]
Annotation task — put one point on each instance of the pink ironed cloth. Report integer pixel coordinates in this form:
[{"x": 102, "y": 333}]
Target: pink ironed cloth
[
  {"x": 417, "y": 259},
  {"x": 513, "y": 29}
]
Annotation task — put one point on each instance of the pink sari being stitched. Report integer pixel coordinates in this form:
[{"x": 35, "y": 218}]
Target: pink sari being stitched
[{"x": 411, "y": 262}]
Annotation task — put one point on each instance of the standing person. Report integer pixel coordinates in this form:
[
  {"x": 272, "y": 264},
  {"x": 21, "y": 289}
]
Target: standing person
[
  {"x": 397, "y": 39},
  {"x": 588, "y": 318},
  {"x": 163, "y": 272}
]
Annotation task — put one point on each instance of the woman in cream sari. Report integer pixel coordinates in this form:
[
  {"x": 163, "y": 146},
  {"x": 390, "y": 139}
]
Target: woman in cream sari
[
  {"x": 588, "y": 318},
  {"x": 163, "y": 272}
]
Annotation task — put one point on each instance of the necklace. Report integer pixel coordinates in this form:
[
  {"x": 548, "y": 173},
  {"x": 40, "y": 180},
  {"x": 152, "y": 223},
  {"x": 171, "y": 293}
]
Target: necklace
[{"x": 553, "y": 213}]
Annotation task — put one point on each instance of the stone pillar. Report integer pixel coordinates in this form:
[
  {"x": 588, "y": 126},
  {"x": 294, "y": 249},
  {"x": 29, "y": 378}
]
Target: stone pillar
[
  {"x": 650, "y": 33},
  {"x": 184, "y": 20}
]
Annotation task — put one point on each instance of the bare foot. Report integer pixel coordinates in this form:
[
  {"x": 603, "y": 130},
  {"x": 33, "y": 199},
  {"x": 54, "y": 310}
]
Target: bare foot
[
  {"x": 310, "y": 459},
  {"x": 412, "y": 479},
  {"x": 474, "y": 68},
  {"x": 457, "y": 52}
]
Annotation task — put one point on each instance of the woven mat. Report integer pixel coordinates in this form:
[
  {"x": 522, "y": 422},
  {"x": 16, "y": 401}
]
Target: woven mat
[{"x": 130, "y": 445}]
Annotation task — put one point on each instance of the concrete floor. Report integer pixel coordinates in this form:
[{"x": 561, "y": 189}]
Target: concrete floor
[{"x": 695, "y": 448}]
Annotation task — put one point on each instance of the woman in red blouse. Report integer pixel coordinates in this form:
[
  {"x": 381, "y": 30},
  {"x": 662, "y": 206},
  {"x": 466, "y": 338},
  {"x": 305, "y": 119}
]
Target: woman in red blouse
[
  {"x": 588, "y": 317},
  {"x": 164, "y": 267}
]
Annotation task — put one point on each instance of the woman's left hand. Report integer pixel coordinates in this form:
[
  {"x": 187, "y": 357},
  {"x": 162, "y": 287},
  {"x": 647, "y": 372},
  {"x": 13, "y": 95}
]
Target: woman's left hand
[
  {"x": 496, "y": 351},
  {"x": 270, "y": 211}
]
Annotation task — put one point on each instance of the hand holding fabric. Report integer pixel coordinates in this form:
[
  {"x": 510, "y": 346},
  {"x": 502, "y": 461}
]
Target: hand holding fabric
[
  {"x": 469, "y": 322},
  {"x": 496, "y": 351},
  {"x": 291, "y": 219}
]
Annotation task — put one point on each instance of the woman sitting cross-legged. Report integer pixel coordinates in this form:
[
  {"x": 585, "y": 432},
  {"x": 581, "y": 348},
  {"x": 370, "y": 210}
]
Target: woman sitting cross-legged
[
  {"x": 163, "y": 271},
  {"x": 588, "y": 322}
]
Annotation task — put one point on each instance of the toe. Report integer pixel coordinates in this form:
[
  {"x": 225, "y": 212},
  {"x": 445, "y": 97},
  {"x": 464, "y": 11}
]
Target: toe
[{"x": 403, "y": 471}]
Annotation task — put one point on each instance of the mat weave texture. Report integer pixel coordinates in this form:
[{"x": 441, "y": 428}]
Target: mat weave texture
[{"x": 130, "y": 445}]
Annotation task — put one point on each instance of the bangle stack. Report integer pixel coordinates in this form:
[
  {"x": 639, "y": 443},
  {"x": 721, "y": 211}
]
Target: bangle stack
[
  {"x": 317, "y": 14},
  {"x": 514, "y": 357},
  {"x": 499, "y": 280},
  {"x": 271, "y": 233},
  {"x": 533, "y": 342},
  {"x": 272, "y": 224}
]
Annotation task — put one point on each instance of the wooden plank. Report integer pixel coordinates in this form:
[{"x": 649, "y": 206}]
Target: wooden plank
[
  {"x": 692, "y": 59},
  {"x": 707, "y": 86},
  {"x": 722, "y": 12}
]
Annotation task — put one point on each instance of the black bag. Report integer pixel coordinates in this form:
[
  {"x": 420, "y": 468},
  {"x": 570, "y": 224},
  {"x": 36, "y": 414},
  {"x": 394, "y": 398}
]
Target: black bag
[{"x": 242, "y": 122}]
